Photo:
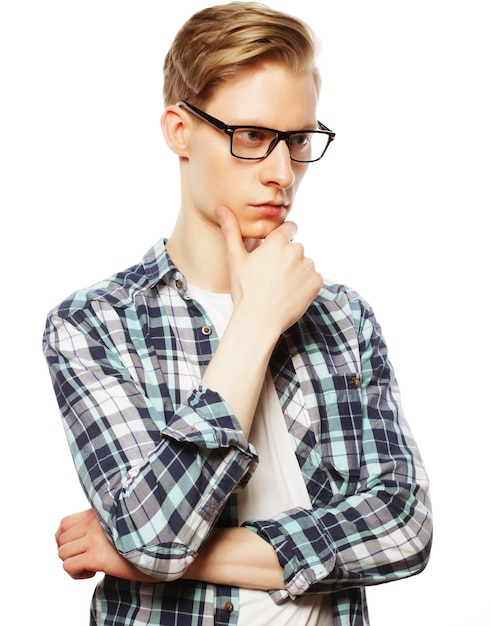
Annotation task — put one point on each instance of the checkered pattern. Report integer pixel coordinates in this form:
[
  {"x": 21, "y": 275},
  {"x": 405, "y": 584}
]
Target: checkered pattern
[{"x": 160, "y": 457}]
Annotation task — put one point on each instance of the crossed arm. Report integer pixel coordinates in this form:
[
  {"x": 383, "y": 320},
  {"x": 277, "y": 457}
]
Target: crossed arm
[{"x": 232, "y": 556}]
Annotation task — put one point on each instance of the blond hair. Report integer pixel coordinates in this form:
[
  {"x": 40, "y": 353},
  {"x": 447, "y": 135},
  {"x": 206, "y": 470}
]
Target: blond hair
[{"x": 217, "y": 43}]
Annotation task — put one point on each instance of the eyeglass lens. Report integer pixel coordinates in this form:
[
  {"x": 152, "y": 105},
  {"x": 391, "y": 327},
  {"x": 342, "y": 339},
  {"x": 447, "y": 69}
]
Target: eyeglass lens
[{"x": 255, "y": 143}]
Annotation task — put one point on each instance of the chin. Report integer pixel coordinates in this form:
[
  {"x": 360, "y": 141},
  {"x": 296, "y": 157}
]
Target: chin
[{"x": 259, "y": 230}]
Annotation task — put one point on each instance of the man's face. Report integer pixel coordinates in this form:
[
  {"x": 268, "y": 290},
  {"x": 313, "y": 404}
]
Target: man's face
[{"x": 260, "y": 193}]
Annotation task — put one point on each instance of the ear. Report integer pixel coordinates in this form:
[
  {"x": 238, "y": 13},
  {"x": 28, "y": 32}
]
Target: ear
[{"x": 175, "y": 127}]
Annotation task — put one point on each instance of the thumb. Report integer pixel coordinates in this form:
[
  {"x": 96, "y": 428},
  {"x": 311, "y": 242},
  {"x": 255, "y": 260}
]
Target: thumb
[{"x": 231, "y": 233}]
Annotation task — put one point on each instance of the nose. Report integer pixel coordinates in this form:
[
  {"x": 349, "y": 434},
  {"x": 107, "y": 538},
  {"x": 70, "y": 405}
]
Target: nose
[{"x": 277, "y": 167}]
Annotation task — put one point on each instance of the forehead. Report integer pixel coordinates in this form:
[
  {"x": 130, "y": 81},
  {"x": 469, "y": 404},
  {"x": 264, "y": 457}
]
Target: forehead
[{"x": 270, "y": 94}]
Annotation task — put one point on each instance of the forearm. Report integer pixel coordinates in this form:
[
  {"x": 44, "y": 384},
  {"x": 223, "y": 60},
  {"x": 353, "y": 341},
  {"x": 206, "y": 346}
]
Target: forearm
[
  {"x": 238, "y": 368},
  {"x": 237, "y": 557},
  {"x": 232, "y": 556}
]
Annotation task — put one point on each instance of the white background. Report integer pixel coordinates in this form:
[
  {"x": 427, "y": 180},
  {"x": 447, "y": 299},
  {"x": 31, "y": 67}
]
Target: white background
[{"x": 397, "y": 209}]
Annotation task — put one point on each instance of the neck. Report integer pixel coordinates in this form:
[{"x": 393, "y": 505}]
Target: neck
[{"x": 197, "y": 247}]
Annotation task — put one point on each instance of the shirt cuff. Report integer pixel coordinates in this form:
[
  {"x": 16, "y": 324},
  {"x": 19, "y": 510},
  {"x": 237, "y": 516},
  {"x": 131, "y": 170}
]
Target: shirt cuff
[
  {"x": 303, "y": 546},
  {"x": 208, "y": 422}
]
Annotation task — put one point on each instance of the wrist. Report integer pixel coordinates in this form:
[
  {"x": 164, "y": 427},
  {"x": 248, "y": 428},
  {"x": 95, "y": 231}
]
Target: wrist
[{"x": 262, "y": 328}]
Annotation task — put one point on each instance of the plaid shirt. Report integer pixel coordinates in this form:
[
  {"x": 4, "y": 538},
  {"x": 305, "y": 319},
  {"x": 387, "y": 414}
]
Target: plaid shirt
[{"x": 160, "y": 457}]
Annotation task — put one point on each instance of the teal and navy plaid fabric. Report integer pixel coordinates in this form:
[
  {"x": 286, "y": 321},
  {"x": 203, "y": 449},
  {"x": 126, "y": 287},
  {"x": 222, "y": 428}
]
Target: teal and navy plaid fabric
[{"x": 160, "y": 457}]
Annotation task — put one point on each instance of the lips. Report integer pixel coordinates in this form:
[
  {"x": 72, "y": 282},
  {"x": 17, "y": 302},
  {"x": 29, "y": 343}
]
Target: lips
[{"x": 272, "y": 209}]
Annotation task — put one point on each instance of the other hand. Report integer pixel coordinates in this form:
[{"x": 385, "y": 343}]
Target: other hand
[{"x": 84, "y": 549}]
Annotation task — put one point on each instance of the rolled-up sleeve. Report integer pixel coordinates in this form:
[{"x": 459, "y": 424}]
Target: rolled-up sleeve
[
  {"x": 380, "y": 529},
  {"x": 157, "y": 484}
]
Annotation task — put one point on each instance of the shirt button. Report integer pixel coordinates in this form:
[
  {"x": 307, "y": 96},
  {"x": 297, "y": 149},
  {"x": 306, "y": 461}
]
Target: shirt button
[
  {"x": 179, "y": 283},
  {"x": 228, "y": 606},
  {"x": 206, "y": 330},
  {"x": 355, "y": 382}
]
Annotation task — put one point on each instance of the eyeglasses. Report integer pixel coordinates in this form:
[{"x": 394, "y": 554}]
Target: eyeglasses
[{"x": 256, "y": 142}]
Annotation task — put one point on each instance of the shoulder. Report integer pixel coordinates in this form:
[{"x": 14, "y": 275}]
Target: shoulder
[
  {"x": 116, "y": 291},
  {"x": 339, "y": 300},
  {"x": 119, "y": 291}
]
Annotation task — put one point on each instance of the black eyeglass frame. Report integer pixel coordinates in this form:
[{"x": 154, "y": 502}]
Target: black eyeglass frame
[{"x": 280, "y": 135}]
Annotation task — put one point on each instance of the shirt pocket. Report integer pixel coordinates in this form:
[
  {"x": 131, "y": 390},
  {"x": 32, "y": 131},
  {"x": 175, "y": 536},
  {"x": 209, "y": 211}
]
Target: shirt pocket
[{"x": 340, "y": 430}]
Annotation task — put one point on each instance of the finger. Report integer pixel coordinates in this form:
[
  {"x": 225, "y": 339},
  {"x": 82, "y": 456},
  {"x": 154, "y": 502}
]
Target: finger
[
  {"x": 70, "y": 521},
  {"x": 231, "y": 233},
  {"x": 75, "y": 567},
  {"x": 287, "y": 229},
  {"x": 83, "y": 575},
  {"x": 72, "y": 534},
  {"x": 71, "y": 549}
]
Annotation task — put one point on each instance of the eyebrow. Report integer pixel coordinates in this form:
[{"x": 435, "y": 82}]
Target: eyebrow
[{"x": 257, "y": 124}]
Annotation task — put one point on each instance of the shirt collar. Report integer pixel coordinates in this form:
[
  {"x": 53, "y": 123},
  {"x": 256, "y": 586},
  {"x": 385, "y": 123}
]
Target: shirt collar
[{"x": 158, "y": 266}]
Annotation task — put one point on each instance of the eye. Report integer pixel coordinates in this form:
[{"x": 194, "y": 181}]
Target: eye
[
  {"x": 251, "y": 136},
  {"x": 300, "y": 141}
]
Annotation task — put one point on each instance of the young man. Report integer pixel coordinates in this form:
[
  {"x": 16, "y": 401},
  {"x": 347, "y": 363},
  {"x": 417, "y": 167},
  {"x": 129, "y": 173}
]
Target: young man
[{"x": 235, "y": 421}]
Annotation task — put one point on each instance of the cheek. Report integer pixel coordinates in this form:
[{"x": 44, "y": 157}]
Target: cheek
[
  {"x": 299, "y": 169},
  {"x": 223, "y": 182},
  {"x": 204, "y": 177}
]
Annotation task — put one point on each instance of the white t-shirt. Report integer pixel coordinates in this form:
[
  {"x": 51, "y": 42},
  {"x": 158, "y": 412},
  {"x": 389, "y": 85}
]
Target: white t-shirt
[{"x": 276, "y": 485}]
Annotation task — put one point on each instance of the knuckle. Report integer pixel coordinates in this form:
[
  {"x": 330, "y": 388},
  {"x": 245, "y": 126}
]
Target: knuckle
[
  {"x": 65, "y": 524},
  {"x": 299, "y": 249}
]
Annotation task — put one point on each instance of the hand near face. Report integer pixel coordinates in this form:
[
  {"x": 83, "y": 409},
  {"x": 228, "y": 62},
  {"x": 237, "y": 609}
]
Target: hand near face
[{"x": 274, "y": 281}]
